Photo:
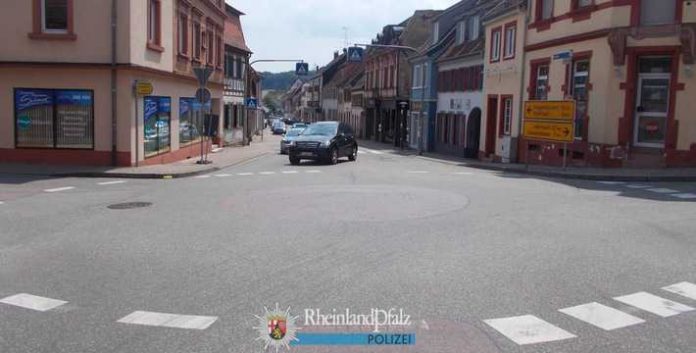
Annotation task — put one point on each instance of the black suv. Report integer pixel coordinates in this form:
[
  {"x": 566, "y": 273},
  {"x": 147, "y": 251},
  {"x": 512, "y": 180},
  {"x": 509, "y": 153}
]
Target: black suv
[{"x": 324, "y": 141}]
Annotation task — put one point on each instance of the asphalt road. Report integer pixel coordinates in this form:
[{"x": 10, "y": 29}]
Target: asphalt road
[{"x": 481, "y": 261}]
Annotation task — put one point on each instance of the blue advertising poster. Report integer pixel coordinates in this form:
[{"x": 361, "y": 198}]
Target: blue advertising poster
[
  {"x": 29, "y": 98},
  {"x": 83, "y": 98},
  {"x": 156, "y": 124}
]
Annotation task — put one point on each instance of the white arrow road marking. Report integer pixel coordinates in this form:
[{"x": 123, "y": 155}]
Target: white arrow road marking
[
  {"x": 60, "y": 189},
  {"x": 116, "y": 182},
  {"x": 685, "y": 196},
  {"x": 602, "y": 316},
  {"x": 32, "y": 302},
  {"x": 149, "y": 318},
  {"x": 684, "y": 289},
  {"x": 528, "y": 329},
  {"x": 654, "y": 304}
]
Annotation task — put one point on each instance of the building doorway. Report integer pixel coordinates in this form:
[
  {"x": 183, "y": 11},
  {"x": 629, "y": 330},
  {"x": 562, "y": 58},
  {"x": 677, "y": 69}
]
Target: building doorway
[
  {"x": 652, "y": 102},
  {"x": 491, "y": 118},
  {"x": 473, "y": 134}
]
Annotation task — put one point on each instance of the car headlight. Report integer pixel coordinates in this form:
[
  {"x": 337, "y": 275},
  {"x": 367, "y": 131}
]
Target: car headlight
[
  {"x": 290, "y": 143},
  {"x": 326, "y": 143}
]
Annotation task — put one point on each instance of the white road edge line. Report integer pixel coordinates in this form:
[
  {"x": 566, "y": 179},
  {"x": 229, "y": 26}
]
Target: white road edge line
[
  {"x": 654, "y": 304},
  {"x": 150, "y": 318},
  {"x": 32, "y": 302},
  {"x": 59, "y": 189},
  {"x": 115, "y": 182},
  {"x": 528, "y": 329},
  {"x": 602, "y": 316}
]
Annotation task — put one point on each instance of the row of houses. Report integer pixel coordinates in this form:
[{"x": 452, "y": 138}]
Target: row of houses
[
  {"x": 69, "y": 72},
  {"x": 456, "y": 82}
]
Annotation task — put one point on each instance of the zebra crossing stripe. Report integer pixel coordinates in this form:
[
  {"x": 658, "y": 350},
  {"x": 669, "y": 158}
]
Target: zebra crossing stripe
[
  {"x": 32, "y": 302},
  {"x": 149, "y": 318},
  {"x": 654, "y": 304},
  {"x": 528, "y": 329},
  {"x": 685, "y": 289},
  {"x": 602, "y": 316}
]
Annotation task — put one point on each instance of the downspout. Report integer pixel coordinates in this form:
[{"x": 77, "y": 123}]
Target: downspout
[
  {"x": 114, "y": 133},
  {"x": 520, "y": 101}
]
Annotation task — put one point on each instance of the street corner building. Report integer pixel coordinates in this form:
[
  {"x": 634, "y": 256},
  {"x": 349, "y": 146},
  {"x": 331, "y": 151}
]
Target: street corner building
[
  {"x": 68, "y": 78},
  {"x": 628, "y": 65}
]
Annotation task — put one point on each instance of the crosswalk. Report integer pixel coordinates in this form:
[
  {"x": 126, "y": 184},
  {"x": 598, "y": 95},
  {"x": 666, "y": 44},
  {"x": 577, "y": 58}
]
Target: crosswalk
[
  {"x": 530, "y": 329},
  {"x": 651, "y": 189}
]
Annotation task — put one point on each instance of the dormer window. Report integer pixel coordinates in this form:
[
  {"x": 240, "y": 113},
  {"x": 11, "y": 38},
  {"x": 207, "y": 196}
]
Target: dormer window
[
  {"x": 436, "y": 32},
  {"x": 461, "y": 32},
  {"x": 474, "y": 24}
]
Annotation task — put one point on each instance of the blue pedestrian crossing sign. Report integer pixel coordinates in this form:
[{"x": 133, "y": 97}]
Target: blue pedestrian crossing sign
[
  {"x": 252, "y": 103},
  {"x": 355, "y": 54},
  {"x": 301, "y": 69}
]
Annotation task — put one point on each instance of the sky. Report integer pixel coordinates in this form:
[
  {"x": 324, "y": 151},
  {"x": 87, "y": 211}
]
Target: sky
[{"x": 312, "y": 30}]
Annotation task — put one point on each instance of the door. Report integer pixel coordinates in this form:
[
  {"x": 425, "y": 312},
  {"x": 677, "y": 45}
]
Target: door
[
  {"x": 473, "y": 134},
  {"x": 491, "y": 118},
  {"x": 650, "y": 124}
]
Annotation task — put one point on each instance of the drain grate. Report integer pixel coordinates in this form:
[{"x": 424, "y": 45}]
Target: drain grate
[{"x": 129, "y": 205}]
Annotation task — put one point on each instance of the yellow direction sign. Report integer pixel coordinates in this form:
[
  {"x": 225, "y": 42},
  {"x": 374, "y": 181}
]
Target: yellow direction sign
[
  {"x": 549, "y": 130},
  {"x": 143, "y": 88},
  {"x": 549, "y": 110}
]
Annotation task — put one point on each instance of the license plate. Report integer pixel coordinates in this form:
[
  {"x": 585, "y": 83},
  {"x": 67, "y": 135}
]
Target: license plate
[{"x": 306, "y": 154}]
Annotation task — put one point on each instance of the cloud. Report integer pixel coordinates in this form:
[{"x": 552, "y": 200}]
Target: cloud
[{"x": 313, "y": 29}]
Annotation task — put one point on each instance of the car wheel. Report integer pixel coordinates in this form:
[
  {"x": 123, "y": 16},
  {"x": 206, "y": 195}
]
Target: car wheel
[
  {"x": 294, "y": 160},
  {"x": 333, "y": 156},
  {"x": 353, "y": 154}
]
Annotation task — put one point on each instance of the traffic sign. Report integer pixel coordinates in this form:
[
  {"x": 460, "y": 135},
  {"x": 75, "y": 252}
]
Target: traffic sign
[
  {"x": 203, "y": 74},
  {"x": 548, "y": 130},
  {"x": 252, "y": 103},
  {"x": 549, "y": 110},
  {"x": 301, "y": 69},
  {"x": 203, "y": 95},
  {"x": 564, "y": 55},
  {"x": 355, "y": 54},
  {"x": 143, "y": 88}
]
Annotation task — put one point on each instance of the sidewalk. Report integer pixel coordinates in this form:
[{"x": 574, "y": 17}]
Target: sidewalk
[
  {"x": 603, "y": 174},
  {"x": 228, "y": 157}
]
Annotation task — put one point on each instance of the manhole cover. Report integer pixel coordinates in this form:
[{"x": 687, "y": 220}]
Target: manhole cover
[{"x": 129, "y": 205}]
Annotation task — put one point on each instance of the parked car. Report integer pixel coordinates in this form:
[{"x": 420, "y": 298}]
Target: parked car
[
  {"x": 278, "y": 128},
  {"x": 289, "y": 138},
  {"x": 324, "y": 141}
]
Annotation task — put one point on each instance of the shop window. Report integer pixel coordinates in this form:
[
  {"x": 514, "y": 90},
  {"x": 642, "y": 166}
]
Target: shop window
[
  {"x": 495, "y": 44},
  {"x": 579, "y": 91},
  {"x": 157, "y": 121},
  {"x": 54, "y": 118},
  {"x": 190, "y": 119}
]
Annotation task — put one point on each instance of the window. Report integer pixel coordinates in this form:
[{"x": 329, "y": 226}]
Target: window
[
  {"x": 541, "y": 82},
  {"x": 544, "y": 10},
  {"x": 197, "y": 42},
  {"x": 578, "y": 4},
  {"x": 157, "y": 117},
  {"x": 417, "y": 76},
  {"x": 578, "y": 89},
  {"x": 495, "y": 44},
  {"x": 505, "y": 116},
  {"x": 461, "y": 32},
  {"x": 392, "y": 80},
  {"x": 219, "y": 51},
  {"x": 182, "y": 38},
  {"x": 210, "y": 52},
  {"x": 47, "y": 118},
  {"x": 474, "y": 24},
  {"x": 190, "y": 119},
  {"x": 658, "y": 12},
  {"x": 153, "y": 23},
  {"x": 510, "y": 38},
  {"x": 54, "y": 16}
]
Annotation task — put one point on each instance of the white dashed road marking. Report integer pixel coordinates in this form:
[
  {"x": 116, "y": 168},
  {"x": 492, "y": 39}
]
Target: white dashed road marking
[
  {"x": 33, "y": 302},
  {"x": 654, "y": 304},
  {"x": 463, "y": 173},
  {"x": 60, "y": 189},
  {"x": 685, "y": 196},
  {"x": 203, "y": 177},
  {"x": 611, "y": 182},
  {"x": 418, "y": 172},
  {"x": 663, "y": 191},
  {"x": 684, "y": 289},
  {"x": 634, "y": 186},
  {"x": 528, "y": 329},
  {"x": 313, "y": 171},
  {"x": 267, "y": 173},
  {"x": 115, "y": 182},
  {"x": 245, "y": 174},
  {"x": 223, "y": 175},
  {"x": 2, "y": 203},
  {"x": 602, "y": 316},
  {"x": 361, "y": 152},
  {"x": 149, "y": 318},
  {"x": 373, "y": 151},
  {"x": 290, "y": 172}
]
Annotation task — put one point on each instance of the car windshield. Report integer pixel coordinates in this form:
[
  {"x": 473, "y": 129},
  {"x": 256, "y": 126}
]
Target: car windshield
[
  {"x": 294, "y": 132},
  {"x": 321, "y": 129}
]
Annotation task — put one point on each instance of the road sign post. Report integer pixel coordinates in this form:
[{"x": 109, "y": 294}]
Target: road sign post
[{"x": 550, "y": 121}]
